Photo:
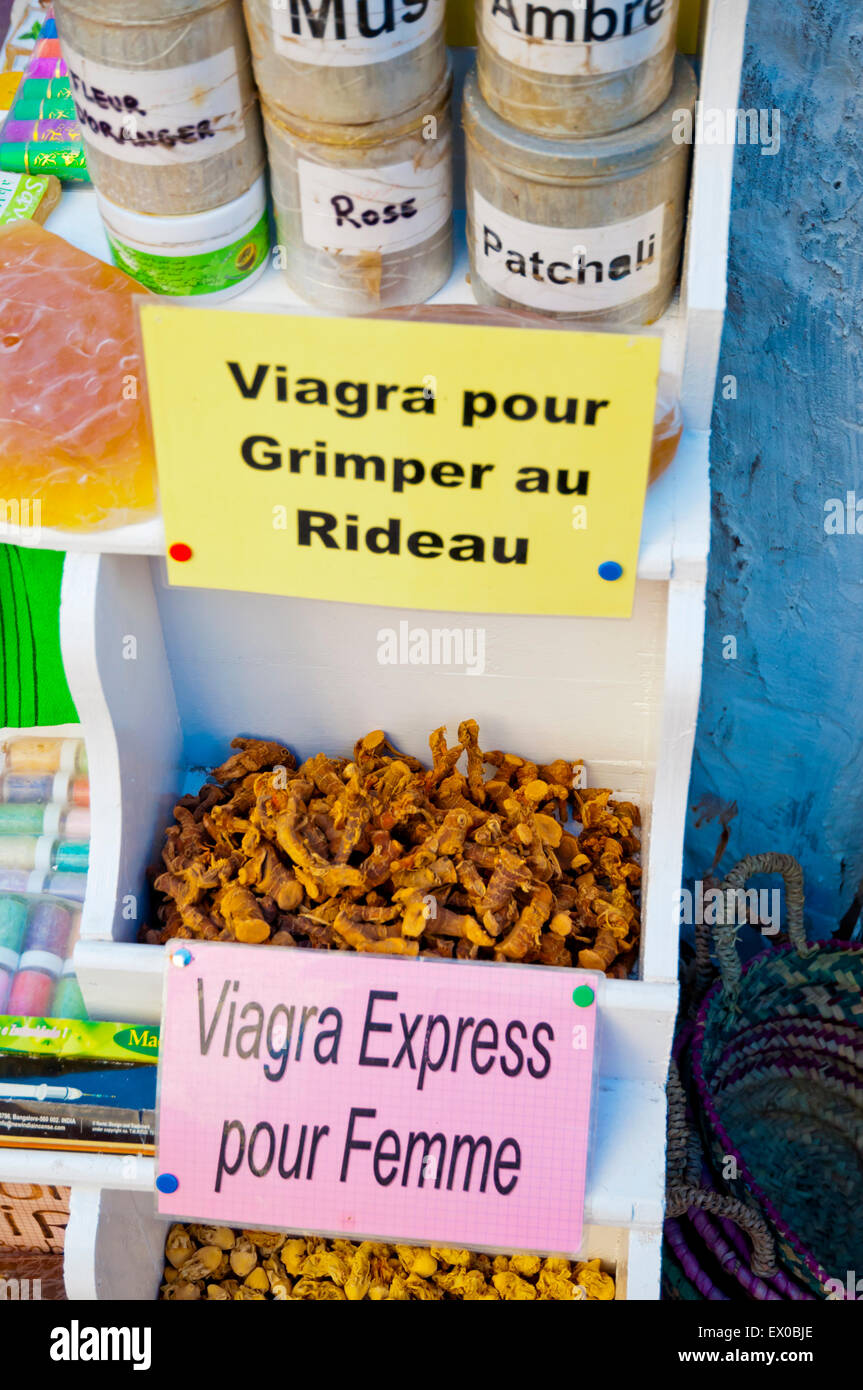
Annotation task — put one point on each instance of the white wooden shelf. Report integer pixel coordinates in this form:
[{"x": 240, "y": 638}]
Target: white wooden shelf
[{"x": 208, "y": 665}]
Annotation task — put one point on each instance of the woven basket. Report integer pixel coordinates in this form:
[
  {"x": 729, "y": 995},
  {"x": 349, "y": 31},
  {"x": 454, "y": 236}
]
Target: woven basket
[
  {"x": 717, "y": 1246},
  {"x": 777, "y": 1063}
]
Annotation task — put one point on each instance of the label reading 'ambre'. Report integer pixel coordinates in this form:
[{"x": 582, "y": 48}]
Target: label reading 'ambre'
[{"x": 577, "y": 40}]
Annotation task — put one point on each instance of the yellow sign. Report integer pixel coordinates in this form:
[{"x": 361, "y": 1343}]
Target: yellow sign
[{"x": 463, "y": 468}]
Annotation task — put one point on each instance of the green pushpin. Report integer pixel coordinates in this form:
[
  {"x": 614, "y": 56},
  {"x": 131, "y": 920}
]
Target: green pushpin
[{"x": 583, "y": 996}]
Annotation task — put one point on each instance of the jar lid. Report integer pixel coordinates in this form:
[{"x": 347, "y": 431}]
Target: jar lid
[
  {"x": 370, "y": 133},
  {"x": 224, "y": 221},
  {"x": 137, "y": 13},
  {"x": 594, "y": 157}
]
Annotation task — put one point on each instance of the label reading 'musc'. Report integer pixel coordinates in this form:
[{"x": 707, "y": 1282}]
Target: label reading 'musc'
[
  {"x": 351, "y": 33},
  {"x": 578, "y": 40}
]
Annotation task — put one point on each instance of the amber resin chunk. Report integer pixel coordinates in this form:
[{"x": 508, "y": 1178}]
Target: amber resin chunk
[{"x": 73, "y": 433}]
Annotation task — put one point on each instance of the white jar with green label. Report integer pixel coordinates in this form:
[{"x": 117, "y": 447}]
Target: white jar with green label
[
  {"x": 575, "y": 67},
  {"x": 216, "y": 253},
  {"x": 585, "y": 231},
  {"x": 346, "y": 60},
  {"x": 364, "y": 213}
]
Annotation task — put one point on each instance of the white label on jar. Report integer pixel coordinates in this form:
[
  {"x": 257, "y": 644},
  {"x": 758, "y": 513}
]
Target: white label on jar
[
  {"x": 385, "y": 209},
  {"x": 352, "y": 33},
  {"x": 578, "y": 40},
  {"x": 175, "y": 116},
  {"x": 577, "y": 270}
]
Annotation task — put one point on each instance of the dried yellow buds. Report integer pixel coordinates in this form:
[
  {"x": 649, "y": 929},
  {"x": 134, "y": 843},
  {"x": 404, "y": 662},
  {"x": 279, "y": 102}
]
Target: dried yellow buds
[
  {"x": 264, "y": 1266},
  {"x": 378, "y": 853}
]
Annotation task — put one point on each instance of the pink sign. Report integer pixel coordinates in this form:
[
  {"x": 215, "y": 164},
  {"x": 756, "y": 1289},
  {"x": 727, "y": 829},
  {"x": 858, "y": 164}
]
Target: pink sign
[{"x": 443, "y": 1102}]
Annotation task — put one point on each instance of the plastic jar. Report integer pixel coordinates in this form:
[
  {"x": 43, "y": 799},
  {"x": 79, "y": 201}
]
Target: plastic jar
[
  {"x": 585, "y": 69},
  {"x": 216, "y": 253},
  {"x": 21, "y": 818},
  {"x": 43, "y": 853},
  {"x": 34, "y": 984},
  {"x": 584, "y": 231},
  {"x": 165, "y": 100},
  {"x": 68, "y": 1001},
  {"x": 352, "y": 60},
  {"x": 364, "y": 213},
  {"x": 44, "y": 755},
  {"x": 14, "y": 912},
  {"x": 72, "y": 886},
  {"x": 18, "y": 788}
]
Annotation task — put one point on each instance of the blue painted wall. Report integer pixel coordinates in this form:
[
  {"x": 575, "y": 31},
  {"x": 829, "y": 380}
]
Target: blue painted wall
[{"x": 781, "y": 726}]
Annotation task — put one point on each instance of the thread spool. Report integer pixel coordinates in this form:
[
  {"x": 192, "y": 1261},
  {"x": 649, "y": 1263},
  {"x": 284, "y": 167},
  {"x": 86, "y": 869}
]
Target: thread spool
[
  {"x": 13, "y": 925},
  {"x": 22, "y": 788},
  {"x": 21, "y": 819},
  {"x": 33, "y": 986},
  {"x": 19, "y": 851},
  {"x": 45, "y": 755},
  {"x": 68, "y": 1001},
  {"x": 19, "y": 881},
  {"x": 80, "y": 793},
  {"x": 18, "y": 818},
  {"x": 65, "y": 885},
  {"x": 48, "y": 929},
  {"x": 71, "y": 856},
  {"x": 75, "y": 823}
]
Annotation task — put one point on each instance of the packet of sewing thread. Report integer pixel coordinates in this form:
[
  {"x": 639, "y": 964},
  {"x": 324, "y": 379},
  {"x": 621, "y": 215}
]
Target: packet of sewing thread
[{"x": 76, "y": 1084}]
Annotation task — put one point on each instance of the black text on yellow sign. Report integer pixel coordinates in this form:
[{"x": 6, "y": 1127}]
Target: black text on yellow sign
[{"x": 429, "y": 466}]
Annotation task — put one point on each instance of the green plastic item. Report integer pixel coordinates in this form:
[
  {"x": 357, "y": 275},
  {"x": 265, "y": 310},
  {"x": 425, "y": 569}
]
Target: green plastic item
[{"x": 33, "y": 686}]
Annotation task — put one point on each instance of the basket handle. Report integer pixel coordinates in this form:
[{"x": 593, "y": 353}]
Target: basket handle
[
  {"x": 684, "y": 1188},
  {"x": 725, "y": 934}
]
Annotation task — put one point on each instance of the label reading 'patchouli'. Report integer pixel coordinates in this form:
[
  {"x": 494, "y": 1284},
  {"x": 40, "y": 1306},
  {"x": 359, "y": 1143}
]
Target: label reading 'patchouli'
[
  {"x": 595, "y": 37},
  {"x": 352, "y": 33},
  {"x": 563, "y": 269},
  {"x": 175, "y": 116},
  {"x": 389, "y": 208}
]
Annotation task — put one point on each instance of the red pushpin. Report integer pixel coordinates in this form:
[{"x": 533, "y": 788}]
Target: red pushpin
[{"x": 180, "y": 551}]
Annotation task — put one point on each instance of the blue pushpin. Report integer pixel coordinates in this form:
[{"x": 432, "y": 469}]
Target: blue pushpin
[
  {"x": 166, "y": 1182},
  {"x": 610, "y": 569},
  {"x": 181, "y": 957}
]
